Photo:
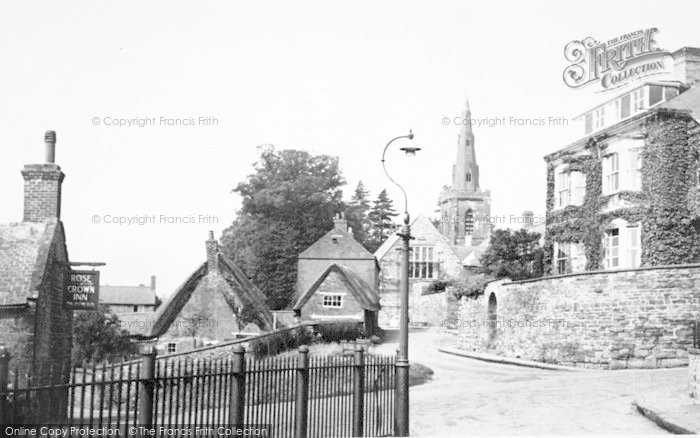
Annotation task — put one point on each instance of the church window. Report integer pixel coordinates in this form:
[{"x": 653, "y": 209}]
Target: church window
[
  {"x": 469, "y": 177},
  {"x": 421, "y": 262},
  {"x": 468, "y": 222}
]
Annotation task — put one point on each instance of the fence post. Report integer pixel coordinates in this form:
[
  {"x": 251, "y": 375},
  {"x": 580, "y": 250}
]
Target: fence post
[
  {"x": 358, "y": 396},
  {"x": 237, "y": 394},
  {"x": 4, "y": 380},
  {"x": 302, "y": 399},
  {"x": 146, "y": 388}
]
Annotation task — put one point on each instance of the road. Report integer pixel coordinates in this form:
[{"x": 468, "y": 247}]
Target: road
[{"x": 471, "y": 397}]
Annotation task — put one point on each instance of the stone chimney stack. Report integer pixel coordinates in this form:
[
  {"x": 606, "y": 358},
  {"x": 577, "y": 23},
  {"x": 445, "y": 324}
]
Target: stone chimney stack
[
  {"x": 686, "y": 65},
  {"x": 340, "y": 222},
  {"x": 42, "y": 185},
  {"x": 212, "y": 252},
  {"x": 153, "y": 283}
]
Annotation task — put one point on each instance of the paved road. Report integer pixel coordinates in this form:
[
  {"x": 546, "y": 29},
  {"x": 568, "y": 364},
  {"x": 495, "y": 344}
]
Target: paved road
[{"x": 471, "y": 397}]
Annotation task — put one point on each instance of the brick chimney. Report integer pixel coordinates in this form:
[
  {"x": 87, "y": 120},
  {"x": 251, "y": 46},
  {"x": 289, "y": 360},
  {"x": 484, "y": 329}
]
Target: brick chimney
[
  {"x": 686, "y": 65},
  {"x": 42, "y": 185},
  {"x": 340, "y": 222},
  {"x": 212, "y": 252},
  {"x": 153, "y": 283}
]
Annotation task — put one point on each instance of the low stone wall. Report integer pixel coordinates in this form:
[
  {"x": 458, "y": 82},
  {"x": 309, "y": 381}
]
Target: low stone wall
[
  {"x": 694, "y": 372},
  {"x": 638, "y": 318},
  {"x": 436, "y": 309}
]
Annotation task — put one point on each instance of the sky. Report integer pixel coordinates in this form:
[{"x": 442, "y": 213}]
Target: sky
[{"x": 337, "y": 78}]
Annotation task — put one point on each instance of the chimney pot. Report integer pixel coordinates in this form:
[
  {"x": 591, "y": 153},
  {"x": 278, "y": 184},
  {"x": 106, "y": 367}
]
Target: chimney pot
[{"x": 50, "y": 141}]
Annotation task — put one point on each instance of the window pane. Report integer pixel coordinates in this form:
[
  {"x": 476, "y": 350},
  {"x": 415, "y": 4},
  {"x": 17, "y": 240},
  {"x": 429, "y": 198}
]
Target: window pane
[
  {"x": 655, "y": 94},
  {"x": 625, "y": 106}
]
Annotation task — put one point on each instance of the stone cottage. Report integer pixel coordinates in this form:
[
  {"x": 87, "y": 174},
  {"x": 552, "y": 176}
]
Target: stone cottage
[
  {"x": 35, "y": 323},
  {"x": 337, "y": 278},
  {"x": 216, "y": 303},
  {"x": 340, "y": 294}
]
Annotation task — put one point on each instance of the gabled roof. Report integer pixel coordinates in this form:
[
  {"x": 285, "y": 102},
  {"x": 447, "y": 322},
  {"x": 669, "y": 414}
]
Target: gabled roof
[
  {"x": 127, "y": 295},
  {"x": 366, "y": 295},
  {"x": 689, "y": 101},
  {"x": 24, "y": 254},
  {"x": 240, "y": 288},
  {"x": 419, "y": 223},
  {"x": 337, "y": 244}
]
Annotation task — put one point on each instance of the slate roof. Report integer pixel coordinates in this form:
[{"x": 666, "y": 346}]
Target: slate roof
[
  {"x": 127, "y": 295},
  {"x": 366, "y": 295},
  {"x": 24, "y": 252},
  {"x": 337, "y": 244},
  {"x": 250, "y": 296},
  {"x": 688, "y": 100}
]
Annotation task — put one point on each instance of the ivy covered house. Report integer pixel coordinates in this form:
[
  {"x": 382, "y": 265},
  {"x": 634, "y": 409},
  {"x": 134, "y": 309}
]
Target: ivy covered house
[{"x": 626, "y": 194}]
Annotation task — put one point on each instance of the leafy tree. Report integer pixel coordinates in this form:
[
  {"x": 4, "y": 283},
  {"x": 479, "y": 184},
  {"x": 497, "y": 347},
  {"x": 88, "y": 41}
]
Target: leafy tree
[
  {"x": 97, "y": 335},
  {"x": 357, "y": 216},
  {"x": 381, "y": 219},
  {"x": 513, "y": 254},
  {"x": 288, "y": 204}
]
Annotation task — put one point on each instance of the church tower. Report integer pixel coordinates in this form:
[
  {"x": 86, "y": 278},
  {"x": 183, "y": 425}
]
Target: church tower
[{"x": 464, "y": 208}]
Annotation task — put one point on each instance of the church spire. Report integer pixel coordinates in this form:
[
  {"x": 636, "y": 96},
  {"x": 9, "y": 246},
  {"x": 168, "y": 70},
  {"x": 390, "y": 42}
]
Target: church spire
[{"x": 465, "y": 174}]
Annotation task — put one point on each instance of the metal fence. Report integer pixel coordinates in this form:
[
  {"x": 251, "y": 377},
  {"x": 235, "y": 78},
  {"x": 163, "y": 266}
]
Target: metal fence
[{"x": 291, "y": 396}]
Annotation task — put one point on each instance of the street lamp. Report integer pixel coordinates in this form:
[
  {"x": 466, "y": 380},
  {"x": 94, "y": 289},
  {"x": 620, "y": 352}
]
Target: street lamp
[{"x": 401, "y": 417}]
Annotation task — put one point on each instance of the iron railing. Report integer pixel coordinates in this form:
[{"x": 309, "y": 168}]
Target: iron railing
[{"x": 289, "y": 395}]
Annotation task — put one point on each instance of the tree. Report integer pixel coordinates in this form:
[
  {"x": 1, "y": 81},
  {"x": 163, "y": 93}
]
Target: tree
[
  {"x": 381, "y": 219},
  {"x": 97, "y": 335},
  {"x": 513, "y": 254},
  {"x": 288, "y": 204},
  {"x": 357, "y": 216}
]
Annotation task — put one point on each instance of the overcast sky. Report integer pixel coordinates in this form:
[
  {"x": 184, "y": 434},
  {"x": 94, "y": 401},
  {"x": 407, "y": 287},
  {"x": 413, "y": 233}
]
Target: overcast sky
[{"x": 330, "y": 77}]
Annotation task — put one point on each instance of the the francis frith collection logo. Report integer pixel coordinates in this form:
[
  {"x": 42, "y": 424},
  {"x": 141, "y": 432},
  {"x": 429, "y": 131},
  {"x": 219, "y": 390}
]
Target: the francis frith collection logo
[{"x": 616, "y": 62}]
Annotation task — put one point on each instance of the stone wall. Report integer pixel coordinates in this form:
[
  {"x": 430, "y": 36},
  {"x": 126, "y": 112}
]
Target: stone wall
[
  {"x": 694, "y": 373},
  {"x": 636, "y": 318}
]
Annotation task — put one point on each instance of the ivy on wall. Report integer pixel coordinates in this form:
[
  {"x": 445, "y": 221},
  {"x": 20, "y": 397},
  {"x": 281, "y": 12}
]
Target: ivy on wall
[{"x": 666, "y": 207}]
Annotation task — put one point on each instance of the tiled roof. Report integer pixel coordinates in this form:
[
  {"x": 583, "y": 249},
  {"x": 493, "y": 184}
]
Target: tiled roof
[
  {"x": 24, "y": 251},
  {"x": 337, "y": 244},
  {"x": 127, "y": 295},
  {"x": 366, "y": 295},
  {"x": 689, "y": 100}
]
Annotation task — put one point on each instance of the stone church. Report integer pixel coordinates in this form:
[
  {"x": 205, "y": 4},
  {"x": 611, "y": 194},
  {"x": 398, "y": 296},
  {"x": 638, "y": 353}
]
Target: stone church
[
  {"x": 465, "y": 208},
  {"x": 442, "y": 250}
]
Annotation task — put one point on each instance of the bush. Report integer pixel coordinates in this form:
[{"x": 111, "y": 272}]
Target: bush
[
  {"x": 339, "y": 331},
  {"x": 280, "y": 342}
]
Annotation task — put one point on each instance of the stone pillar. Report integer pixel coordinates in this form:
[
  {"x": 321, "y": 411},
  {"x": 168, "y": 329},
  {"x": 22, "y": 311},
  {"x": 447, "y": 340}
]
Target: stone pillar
[{"x": 694, "y": 371}]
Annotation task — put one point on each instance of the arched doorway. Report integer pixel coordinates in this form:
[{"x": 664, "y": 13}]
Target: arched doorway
[{"x": 493, "y": 320}]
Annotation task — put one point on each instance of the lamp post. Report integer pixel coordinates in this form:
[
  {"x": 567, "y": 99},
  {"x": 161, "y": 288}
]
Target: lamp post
[{"x": 401, "y": 417}]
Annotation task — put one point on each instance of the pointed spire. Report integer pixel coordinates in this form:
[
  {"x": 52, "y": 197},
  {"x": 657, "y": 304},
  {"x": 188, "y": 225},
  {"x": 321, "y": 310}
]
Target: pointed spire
[{"x": 465, "y": 175}]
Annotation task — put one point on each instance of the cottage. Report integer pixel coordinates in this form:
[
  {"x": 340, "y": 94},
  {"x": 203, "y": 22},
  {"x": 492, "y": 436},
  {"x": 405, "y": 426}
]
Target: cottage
[
  {"x": 129, "y": 299},
  {"x": 337, "y": 278},
  {"x": 216, "y": 303},
  {"x": 339, "y": 294},
  {"x": 35, "y": 323}
]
